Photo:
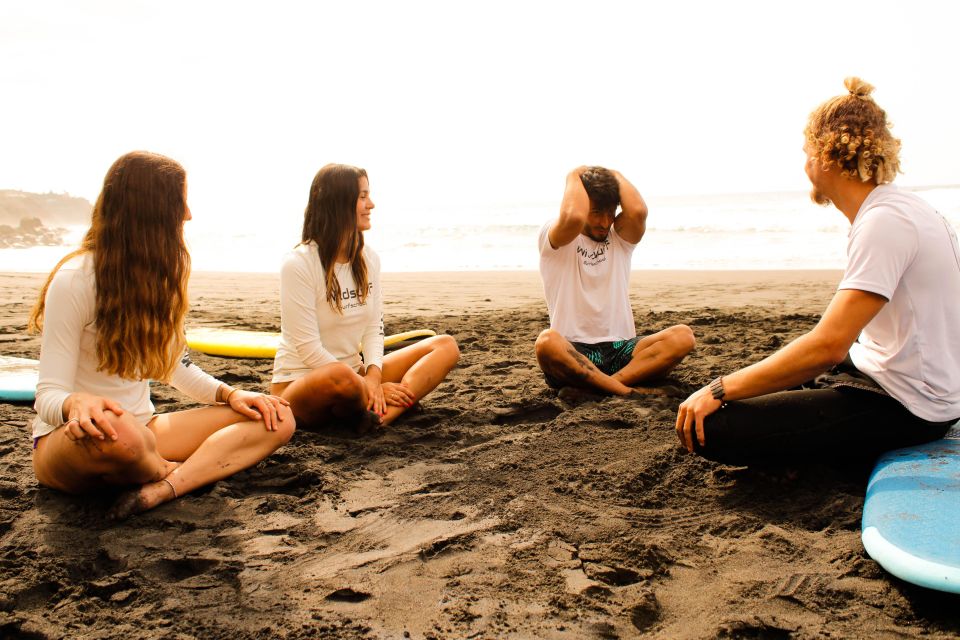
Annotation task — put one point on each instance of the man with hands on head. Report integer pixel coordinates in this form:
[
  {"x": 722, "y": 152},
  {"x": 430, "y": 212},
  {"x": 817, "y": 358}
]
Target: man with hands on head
[
  {"x": 888, "y": 339},
  {"x": 585, "y": 258}
]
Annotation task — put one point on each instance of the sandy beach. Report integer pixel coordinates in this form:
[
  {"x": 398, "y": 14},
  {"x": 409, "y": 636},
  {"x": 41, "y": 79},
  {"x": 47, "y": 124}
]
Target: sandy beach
[{"x": 501, "y": 509}]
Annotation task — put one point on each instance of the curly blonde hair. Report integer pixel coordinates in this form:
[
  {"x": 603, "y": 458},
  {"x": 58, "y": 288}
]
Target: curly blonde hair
[{"x": 852, "y": 132}]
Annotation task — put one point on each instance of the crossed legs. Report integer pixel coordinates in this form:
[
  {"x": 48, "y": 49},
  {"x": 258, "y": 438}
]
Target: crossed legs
[
  {"x": 653, "y": 356},
  {"x": 812, "y": 424},
  {"x": 176, "y": 452},
  {"x": 336, "y": 392}
]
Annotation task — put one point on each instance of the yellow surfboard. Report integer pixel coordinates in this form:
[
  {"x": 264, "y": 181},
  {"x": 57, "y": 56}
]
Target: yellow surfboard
[
  {"x": 241, "y": 343},
  {"x": 396, "y": 339}
]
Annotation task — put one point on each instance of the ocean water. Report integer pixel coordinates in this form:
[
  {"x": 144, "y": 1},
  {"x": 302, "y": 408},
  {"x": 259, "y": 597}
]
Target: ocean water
[{"x": 744, "y": 231}]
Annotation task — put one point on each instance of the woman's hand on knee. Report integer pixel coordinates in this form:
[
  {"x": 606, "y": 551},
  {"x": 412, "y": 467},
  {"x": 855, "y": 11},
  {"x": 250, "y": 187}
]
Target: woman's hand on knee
[
  {"x": 375, "y": 400},
  {"x": 259, "y": 406},
  {"x": 691, "y": 414},
  {"x": 398, "y": 394},
  {"x": 86, "y": 416}
]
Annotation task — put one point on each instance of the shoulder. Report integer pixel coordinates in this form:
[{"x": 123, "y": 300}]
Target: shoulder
[
  {"x": 75, "y": 277},
  {"x": 544, "y": 238},
  {"x": 618, "y": 240},
  {"x": 371, "y": 257},
  {"x": 72, "y": 291},
  {"x": 886, "y": 231},
  {"x": 894, "y": 204},
  {"x": 302, "y": 254},
  {"x": 302, "y": 262},
  {"x": 889, "y": 213}
]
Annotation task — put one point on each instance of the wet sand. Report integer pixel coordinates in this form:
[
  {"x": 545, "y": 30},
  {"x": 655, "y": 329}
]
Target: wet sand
[{"x": 501, "y": 509}]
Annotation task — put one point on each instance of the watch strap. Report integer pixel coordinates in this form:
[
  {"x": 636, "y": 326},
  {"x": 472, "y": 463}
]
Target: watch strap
[{"x": 716, "y": 388}]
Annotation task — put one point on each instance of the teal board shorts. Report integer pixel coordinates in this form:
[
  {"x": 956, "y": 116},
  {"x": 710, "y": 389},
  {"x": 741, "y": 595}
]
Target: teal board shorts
[{"x": 609, "y": 357}]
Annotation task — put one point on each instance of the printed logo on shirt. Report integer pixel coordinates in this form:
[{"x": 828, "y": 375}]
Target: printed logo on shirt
[
  {"x": 595, "y": 257},
  {"x": 350, "y": 298}
]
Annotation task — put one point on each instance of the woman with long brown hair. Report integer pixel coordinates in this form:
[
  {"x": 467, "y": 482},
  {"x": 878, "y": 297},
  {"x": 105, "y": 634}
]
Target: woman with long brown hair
[
  {"x": 330, "y": 364},
  {"x": 112, "y": 317}
]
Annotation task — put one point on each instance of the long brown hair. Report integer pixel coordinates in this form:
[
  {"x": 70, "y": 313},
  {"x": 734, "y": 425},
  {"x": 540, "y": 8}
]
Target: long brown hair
[
  {"x": 330, "y": 221},
  {"x": 141, "y": 266}
]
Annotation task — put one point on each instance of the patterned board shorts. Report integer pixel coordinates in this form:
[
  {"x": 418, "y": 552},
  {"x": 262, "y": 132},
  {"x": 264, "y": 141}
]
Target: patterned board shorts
[{"x": 608, "y": 357}]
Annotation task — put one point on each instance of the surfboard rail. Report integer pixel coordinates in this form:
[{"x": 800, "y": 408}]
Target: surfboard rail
[
  {"x": 245, "y": 343},
  {"x": 910, "y": 524},
  {"x": 906, "y": 566},
  {"x": 18, "y": 379}
]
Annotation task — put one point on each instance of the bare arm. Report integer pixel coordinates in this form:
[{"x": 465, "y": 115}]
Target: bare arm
[
  {"x": 631, "y": 224},
  {"x": 804, "y": 358},
  {"x": 573, "y": 211}
]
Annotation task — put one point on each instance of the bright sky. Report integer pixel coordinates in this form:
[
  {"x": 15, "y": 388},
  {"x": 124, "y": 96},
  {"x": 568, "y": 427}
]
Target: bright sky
[{"x": 453, "y": 103}]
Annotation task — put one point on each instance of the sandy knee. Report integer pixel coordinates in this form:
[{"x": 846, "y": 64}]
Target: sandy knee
[
  {"x": 133, "y": 443},
  {"x": 683, "y": 339}
]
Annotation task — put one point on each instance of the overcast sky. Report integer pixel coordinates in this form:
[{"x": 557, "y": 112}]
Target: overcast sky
[{"x": 453, "y": 103}]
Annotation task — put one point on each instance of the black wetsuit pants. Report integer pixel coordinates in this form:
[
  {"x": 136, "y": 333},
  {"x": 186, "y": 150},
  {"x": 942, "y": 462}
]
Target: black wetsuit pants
[{"x": 841, "y": 414}]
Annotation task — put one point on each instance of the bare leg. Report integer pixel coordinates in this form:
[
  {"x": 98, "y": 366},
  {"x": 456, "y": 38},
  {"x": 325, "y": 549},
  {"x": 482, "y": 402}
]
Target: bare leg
[
  {"x": 333, "y": 391},
  {"x": 86, "y": 464},
  {"x": 420, "y": 367},
  {"x": 657, "y": 354},
  {"x": 213, "y": 442},
  {"x": 558, "y": 359}
]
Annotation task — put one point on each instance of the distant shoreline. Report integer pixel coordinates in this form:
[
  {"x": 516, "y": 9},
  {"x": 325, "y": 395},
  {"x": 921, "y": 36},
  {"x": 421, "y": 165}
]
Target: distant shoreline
[{"x": 465, "y": 292}]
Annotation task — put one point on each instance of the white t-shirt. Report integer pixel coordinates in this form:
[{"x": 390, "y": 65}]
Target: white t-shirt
[
  {"x": 586, "y": 284},
  {"x": 902, "y": 249},
  {"x": 68, "y": 355},
  {"x": 312, "y": 333}
]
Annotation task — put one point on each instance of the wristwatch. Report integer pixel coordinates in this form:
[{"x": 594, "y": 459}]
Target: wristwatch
[{"x": 716, "y": 389}]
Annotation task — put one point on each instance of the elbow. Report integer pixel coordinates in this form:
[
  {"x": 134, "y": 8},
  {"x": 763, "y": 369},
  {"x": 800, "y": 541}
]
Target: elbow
[
  {"x": 833, "y": 353},
  {"x": 827, "y": 348},
  {"x": 49, "y": 402}
]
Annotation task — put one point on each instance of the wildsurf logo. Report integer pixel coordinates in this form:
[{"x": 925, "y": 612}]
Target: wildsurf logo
[
  {"x": 595, "y": 257},
  {"x": 350, "y": 298}
]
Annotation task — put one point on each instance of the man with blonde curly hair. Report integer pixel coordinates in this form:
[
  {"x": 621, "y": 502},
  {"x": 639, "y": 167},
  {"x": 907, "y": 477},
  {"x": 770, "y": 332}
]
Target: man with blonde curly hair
[{"x": 881, "y": 369}]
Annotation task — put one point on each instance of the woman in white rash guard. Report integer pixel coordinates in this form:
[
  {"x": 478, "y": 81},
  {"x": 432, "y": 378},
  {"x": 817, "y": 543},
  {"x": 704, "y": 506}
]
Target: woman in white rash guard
[
  {"x": 112, "y": 317},
  {"x": 330, "y": 363}
]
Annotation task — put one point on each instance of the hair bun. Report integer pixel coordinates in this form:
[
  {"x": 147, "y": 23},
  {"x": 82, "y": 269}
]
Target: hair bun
[{"x": 858, "y": 87}]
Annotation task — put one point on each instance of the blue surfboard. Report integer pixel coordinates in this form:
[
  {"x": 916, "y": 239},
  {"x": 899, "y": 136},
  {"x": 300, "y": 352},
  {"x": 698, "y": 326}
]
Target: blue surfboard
[
  {"x": 18, "y": 378},
  {"x": 911, "y": 515}
]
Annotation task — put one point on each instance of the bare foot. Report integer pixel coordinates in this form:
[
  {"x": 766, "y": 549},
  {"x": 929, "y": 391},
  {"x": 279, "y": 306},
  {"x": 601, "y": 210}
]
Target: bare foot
[
  {"x": 145, "y": 497},
  {"x": 367, "y": 422},
  {"x": 576, "y": 396},
  {"x": 648, "y": 391},
  {"x": 666, "y": 390}
]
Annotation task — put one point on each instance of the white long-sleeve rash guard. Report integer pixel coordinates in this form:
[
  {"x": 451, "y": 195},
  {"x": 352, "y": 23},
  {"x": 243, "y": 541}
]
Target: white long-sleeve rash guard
[
  {"x": 312, "y": 333},
  {"x": 68, "y": 356}
]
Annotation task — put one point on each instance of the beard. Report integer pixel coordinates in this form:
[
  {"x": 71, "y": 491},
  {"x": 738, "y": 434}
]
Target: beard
[{"x": 818, "y": 198}]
